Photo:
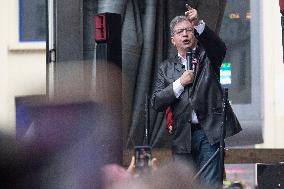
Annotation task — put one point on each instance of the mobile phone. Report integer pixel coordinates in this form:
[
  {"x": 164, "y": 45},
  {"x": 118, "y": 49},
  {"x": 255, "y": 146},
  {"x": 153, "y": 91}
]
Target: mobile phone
[{"x": 142, "y": 157}]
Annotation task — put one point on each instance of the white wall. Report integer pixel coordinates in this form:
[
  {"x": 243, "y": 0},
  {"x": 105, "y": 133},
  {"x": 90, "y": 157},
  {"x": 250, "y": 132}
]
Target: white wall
[
  {"x": 273, "y": 75},
  {"x": 22, "y": 66},
  {"x": 3, "y": 64}
]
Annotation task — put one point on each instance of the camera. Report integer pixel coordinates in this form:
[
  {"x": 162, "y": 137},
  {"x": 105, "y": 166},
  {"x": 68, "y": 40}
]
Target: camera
[{"x": 142, "y": 157}]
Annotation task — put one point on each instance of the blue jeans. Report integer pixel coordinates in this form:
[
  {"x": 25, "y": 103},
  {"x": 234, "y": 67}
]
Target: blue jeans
[{"x": 201, "y": 152}]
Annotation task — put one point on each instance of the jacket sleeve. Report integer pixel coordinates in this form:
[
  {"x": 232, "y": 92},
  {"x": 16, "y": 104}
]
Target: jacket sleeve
[
  {"x": 213, "y": 45},
  {"x": 163, "y": 94}
]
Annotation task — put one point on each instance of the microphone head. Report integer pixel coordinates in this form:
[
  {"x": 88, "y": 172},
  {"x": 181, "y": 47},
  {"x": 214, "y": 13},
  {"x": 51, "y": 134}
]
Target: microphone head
[
  {"x": 188, "y": 50},
  {"x": 189, "y": 58}
]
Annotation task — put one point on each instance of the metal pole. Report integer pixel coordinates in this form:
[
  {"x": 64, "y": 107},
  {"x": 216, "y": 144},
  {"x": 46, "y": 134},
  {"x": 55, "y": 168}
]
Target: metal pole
[
  {"x": 147, "y": 121},
  {"x": 50, "y": 48},
  {"x": 223, "y": 133},
  {"x": 47, "y": 33},
  {"x": 206, "y": 164}
]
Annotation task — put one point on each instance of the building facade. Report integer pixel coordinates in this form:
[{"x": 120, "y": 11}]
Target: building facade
[{"x": 23, "y": 67}]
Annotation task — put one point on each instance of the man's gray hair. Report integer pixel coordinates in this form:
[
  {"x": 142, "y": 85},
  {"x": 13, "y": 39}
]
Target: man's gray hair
[{"x": 175, "y": 21}]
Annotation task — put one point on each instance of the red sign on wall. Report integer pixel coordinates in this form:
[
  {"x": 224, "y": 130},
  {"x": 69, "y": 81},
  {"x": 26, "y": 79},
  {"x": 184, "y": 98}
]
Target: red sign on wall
[{"x": 100, "y": 28}]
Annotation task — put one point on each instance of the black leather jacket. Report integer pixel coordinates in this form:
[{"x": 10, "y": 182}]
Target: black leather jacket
[{"x": 204, "y": 96}]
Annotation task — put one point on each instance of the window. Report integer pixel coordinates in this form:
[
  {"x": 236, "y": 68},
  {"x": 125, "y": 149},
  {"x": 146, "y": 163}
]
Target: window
[
  {"x": 32, "y": 20},
  {"x": 235, "y": 32},
  {"x": 240, "y": 31}
]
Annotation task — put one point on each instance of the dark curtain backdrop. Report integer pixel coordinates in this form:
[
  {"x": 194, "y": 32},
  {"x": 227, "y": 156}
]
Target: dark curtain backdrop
[{"x": 145, "y": 44}]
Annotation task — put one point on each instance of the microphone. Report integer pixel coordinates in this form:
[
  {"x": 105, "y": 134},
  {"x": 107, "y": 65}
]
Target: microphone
[
  {"x": 194, "y": 60},
  {"x": 189, "y": 58}
]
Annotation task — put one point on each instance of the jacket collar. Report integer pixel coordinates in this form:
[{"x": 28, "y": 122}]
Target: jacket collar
[{"x": 177, "y": 64}]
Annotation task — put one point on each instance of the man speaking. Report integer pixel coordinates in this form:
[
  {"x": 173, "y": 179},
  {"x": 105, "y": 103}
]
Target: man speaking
[{"x": 193, "y": 92}]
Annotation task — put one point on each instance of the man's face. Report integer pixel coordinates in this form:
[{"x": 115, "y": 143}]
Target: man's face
[{"x": 183, "y": 36}]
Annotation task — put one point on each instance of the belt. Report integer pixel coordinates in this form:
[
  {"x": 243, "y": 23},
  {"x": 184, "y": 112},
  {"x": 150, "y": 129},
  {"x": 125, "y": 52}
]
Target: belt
[{"x": 195, "y": 126}]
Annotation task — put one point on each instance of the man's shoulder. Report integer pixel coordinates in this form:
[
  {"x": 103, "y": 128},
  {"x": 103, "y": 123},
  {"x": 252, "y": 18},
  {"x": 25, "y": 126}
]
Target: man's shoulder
[{"x": 168, "y": 62}]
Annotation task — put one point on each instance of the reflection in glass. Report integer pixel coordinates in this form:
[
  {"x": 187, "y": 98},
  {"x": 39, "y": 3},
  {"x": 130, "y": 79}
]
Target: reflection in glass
[
  {"x": 235, "y": 31},
  {"x": 32, "y": 19}
]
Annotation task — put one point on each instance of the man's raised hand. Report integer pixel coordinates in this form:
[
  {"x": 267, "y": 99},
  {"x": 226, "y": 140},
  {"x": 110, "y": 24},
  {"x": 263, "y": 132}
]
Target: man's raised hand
[{"x": 192, "y": 15}]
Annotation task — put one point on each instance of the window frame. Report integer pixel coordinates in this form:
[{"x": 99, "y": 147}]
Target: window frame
[{"x": 14, "y": 43}]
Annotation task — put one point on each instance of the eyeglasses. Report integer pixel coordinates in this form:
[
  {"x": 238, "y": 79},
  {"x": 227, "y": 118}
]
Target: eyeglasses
[{"x": 180, "y": 31}]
